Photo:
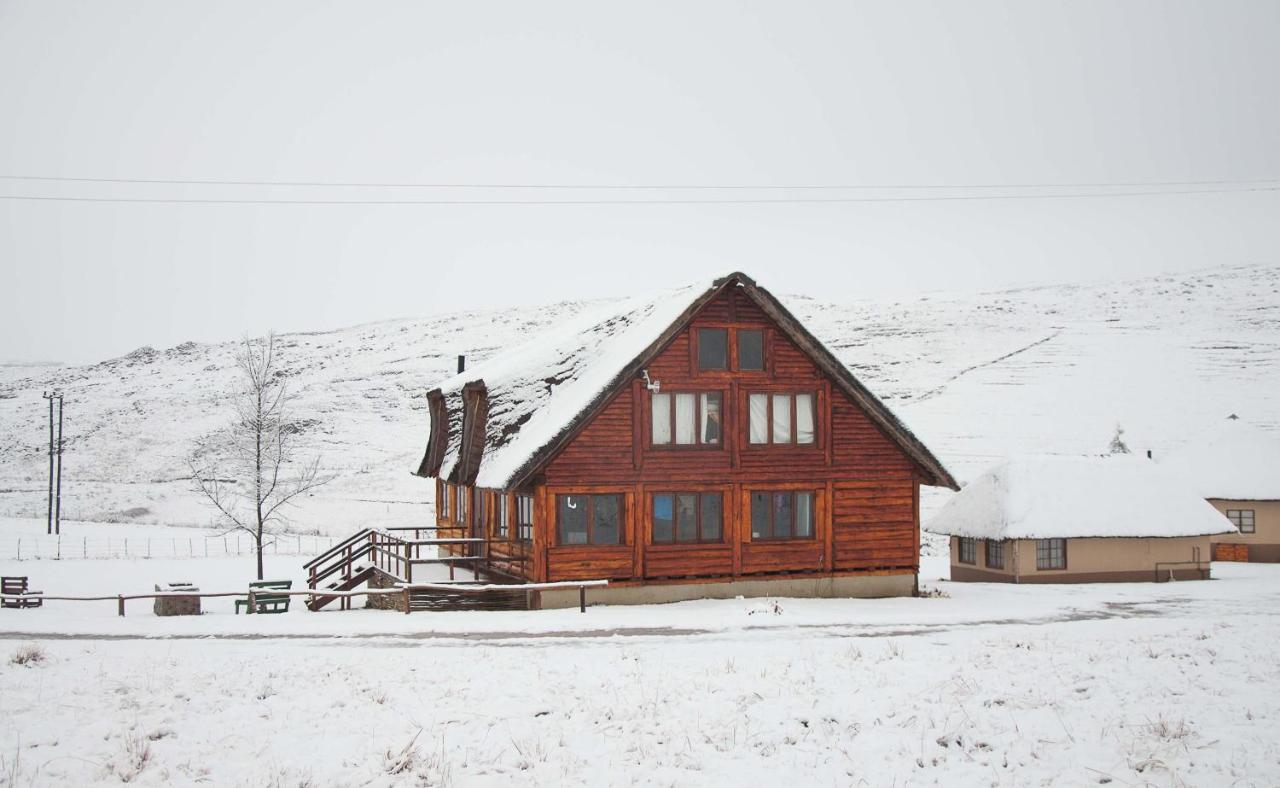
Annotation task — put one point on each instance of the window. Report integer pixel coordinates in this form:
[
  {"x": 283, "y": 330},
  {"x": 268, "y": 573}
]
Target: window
[
  {"x": 687, "y": 517},
  {"x": 968, "y": 550},
  {"x": 524, "y": 518},
  {"x": 1242, "y": 519},
  {"x": 781, "y": 515},
  {"x": 781, "y": 419},
  {"x": 480, "y": 510},
  {"x": 750, "y": 350},
  {"x": 461, "y": 497},
  {"x": 1051, "y": 554},
  {"x": 503, "y": 518},
  {"x": 687, "y": 418},
  {"x": 995, "y": 554},
  {"x": 442, "y": 501},
  {"x": 713, "y": 348},
  {"x": 590, "y": 519}
]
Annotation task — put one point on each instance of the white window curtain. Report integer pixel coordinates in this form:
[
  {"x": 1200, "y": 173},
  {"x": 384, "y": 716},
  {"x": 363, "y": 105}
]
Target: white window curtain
[
  {"x": 781, "y": 418},
  {"x": 804, "y": 514},
  {"x": 661, "y": 419},
  {"x": 804, "y": 418},
  {"x": 686, "y": 419},
  {"x": 759, "y": 407},
  {"x": 711, "y": 425}
]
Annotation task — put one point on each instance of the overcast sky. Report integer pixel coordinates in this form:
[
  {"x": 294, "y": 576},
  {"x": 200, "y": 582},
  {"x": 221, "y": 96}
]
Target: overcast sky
[{"x": 602, "y": 94}]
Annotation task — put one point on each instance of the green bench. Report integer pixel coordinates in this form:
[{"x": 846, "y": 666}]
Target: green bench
[{"x": 267, "y": 602}]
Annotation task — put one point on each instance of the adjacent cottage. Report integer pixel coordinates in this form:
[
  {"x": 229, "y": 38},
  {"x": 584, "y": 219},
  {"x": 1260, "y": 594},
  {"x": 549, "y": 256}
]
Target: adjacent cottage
[
  {"x": 1237, "y": 469},
  {"x": 698, "y": 442},
  {"x": 1077, "y": 520}
]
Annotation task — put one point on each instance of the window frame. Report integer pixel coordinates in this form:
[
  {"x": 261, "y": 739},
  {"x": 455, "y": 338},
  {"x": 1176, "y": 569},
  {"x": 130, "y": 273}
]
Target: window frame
[
  {"x": 524, "y": 530},
  {"x": 675, "y": 525},
  {"x": 773, "y": 530},
  {"x": 502, "y": 521},
  {"x": 700, "y": 444},
  {"x": 737, "y": 349},
  {"x": 442, "y": 501},
  {"x": 590, "y": 515},
  {"x": 734, "y": 366},
  {"x": 792, "y": 394},
  {"x": 967, "y": 552},
  {"x": 1044, "y": 555},
  {"x": 461, "y": 509},
  {"x": 1238, "y": 517},
  {"x": 994, "y": 548}
]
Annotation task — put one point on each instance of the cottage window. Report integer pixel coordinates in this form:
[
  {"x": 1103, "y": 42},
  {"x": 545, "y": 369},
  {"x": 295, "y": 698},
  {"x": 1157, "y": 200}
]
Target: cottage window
[
  {"x": 781, "y": 515},
  {"x": 750, "y": 350},
  {"x": 1051, "y": 554},
  {"x": 995, "y": 554},
  {"x": 781, "y": 419},
  {"x": 590, "y": 519},
  {"x": 503, "y": 518},
  {"x": 442, "y": 501},
  {"x": 687, "y": 418},
  {"x": 687, "y": 517},
  {"x": 481, "y": 510},
  {"x": 1242, "y": 519},
  {"x": 524, "y": 518},
  {"x": 713, "y": 348},
  {"x": 968, "y": 550},
  {"x": 460, "y": 495}
]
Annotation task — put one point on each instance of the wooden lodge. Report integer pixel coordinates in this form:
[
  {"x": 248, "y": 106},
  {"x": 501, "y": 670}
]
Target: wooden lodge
[{"x": 695, "y": 443}]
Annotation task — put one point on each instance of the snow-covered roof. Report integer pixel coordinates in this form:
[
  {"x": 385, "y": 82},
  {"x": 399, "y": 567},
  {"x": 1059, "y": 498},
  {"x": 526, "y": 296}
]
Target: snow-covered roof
[
  {"x": 539, "y": 391},
  {"x": 1233, "y": 461},
  {"x": 1054, "y": 497}
]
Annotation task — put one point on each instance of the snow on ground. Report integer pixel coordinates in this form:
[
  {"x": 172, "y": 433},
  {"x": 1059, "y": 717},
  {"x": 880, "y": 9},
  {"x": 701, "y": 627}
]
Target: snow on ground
[{"x": 1132, "y": 684}]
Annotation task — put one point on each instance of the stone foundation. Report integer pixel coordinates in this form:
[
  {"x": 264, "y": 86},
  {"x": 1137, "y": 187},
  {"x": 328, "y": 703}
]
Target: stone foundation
[{"x": 850, "y": 586}]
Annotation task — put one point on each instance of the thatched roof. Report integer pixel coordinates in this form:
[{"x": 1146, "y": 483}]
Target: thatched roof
[{"x": 539, "y": 394}]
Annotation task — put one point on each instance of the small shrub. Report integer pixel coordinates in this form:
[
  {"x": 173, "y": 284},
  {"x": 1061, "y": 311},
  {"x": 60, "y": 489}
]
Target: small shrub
[
  {"x": 30, "y": 654},
  {"x": 133, "y": 759}
]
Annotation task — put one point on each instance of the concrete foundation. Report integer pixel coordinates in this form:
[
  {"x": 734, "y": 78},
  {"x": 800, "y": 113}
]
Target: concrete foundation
[{"x": 850, "y": 586}]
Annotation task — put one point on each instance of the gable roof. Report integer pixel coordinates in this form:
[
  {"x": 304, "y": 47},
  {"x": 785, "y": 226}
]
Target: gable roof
[
  {"x": 1043, "y": 497},
  {"x": 1233, "y": 461},
  {"x": 541, "y": 393}
]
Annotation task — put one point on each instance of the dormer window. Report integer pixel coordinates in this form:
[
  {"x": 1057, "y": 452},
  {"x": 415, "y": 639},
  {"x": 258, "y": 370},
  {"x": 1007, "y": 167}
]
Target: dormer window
[{"x": 720, "y": 349}]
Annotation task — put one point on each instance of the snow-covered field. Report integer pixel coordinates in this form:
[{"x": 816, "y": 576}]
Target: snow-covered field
[{"x": 1140, "y": 684}]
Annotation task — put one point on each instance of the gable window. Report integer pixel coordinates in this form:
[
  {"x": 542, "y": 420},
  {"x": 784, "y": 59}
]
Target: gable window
[
  {"x": 713, "y": 348},
  {"x": 685, "y": 418},
  {"x": 781, "y": 515},
  {"x": 995, "y": 554},
  {"x": 687, "y": 517},
  {"x": 524, "y": 518},
  {"x": 750, "y": 350},
  {"x": 1242, "y": 519},
  {"x": 968, "y": 550},
  {"x": 1051, "y": 554},
  {"x": 590, "y": 519},
  {"x": 503, "y": 519},
  {"x": 781, "y": 419}
]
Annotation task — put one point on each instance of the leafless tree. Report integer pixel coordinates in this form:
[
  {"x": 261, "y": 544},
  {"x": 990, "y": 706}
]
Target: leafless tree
[{"x": 249, "y": 471}]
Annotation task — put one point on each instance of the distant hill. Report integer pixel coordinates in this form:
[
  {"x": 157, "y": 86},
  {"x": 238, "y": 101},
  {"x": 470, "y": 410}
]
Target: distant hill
[{"x": 1043, "y": 369}]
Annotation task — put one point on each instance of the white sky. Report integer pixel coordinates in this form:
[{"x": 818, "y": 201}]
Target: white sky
[{"x": 701, "y": 93}]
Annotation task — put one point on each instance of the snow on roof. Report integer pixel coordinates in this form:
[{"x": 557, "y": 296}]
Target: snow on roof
[
  {"x": 1053, "y": 497},
  {"x": 1234, "y": 461},
  {"x": 536, "y": 388}
]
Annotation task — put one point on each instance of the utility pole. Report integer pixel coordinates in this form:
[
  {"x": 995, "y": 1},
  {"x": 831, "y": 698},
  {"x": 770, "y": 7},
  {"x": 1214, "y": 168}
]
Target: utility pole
[{"x": 55, "y": 458}]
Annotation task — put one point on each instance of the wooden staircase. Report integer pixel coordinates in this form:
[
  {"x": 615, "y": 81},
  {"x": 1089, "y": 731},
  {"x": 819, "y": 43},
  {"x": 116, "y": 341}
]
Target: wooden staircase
[{"x": 342, "y": 567}]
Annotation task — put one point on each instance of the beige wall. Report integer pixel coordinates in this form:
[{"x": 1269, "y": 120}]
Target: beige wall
[
  {"x": 1264, "y": 542},
  {"x": 1091, "y": 560}
]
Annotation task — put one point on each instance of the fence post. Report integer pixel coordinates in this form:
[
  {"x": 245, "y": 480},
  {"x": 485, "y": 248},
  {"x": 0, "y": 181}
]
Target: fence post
[
  {"x": 84, "y": 548},
  {"x": 120, "y": 604},
  {"x": 19, "y": 558},
  {"x": 59, "y": 555},
  {"x": 253, "y": 601},
  {"x": 126, "y": 547},
  {"x": 582, "y": 599}
]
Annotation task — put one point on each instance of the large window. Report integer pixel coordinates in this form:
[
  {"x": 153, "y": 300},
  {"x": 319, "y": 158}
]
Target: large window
[
  {"x": 683, "y": 418},
  {"x": 781, "y": 515},
  {"x": 713, "y": 348},
  {"x": 687, "y": 517},
  {"x": 995, "y": 554},
  {"x": 524, "y": 518},
  {"x": 750, "y": 350},
  {"x": 1051, "y": 554},
  {"x": 1242, "y": 519},
  {"x": 968, "y": 550},
  {"x": 781, "y": 419},
  {"x": 590, "y": 519}
]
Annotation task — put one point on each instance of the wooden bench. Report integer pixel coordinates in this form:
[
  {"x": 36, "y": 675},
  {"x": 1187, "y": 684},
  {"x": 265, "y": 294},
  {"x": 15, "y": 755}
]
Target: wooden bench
[
  {"x": 11, "y": 591},
  {"x": 267, "y": 602}
]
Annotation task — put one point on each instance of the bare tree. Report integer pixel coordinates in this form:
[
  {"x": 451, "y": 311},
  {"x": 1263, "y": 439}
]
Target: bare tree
[{"x": 248, "y": 471}]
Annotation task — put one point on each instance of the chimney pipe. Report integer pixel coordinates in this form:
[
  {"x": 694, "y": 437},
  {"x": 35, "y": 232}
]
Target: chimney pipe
[{"x": 462, "y": 364}]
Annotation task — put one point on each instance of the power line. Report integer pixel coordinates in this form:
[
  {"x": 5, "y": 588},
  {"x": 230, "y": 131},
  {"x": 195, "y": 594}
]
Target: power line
[
  {"x": 638, "y": 187},
  {"x": 731, "y": 201}
]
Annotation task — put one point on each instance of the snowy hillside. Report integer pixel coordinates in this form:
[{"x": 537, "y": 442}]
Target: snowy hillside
[{"x": 1048, "y": 369}]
